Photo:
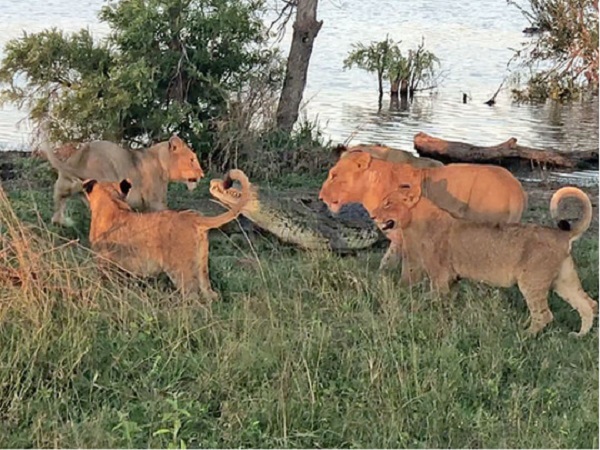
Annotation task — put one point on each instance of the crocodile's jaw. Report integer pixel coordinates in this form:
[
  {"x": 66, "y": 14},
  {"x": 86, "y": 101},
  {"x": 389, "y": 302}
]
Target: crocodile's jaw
[{"x": 230, "y": 197}]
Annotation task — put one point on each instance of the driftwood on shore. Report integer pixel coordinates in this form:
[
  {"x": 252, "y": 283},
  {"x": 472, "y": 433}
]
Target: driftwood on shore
[{"x": 507, "y": 154}]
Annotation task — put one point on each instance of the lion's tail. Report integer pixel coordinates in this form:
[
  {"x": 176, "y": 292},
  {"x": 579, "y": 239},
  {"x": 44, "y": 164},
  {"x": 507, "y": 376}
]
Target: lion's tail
[
  {"x": 44, "y": 145},
  {"x": 70, "y": 152},
  {"x": 217, "y": 221},
  {"x": 577, "y": 229}
]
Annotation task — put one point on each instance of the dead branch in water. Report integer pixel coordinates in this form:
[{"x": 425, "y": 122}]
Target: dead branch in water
[{"x": 507, "y": 154}]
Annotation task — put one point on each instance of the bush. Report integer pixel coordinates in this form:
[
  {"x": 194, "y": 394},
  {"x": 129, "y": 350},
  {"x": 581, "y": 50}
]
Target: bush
[
  {"x": 265, "y": 152},
  {"x": 167, "y": 66},
  {"x": 561, "y": 61},
  {"x": 407, "y": 74}
]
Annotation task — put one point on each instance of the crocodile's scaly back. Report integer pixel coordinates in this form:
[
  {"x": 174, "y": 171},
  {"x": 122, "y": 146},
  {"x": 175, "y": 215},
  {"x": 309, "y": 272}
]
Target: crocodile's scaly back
[
  {"x": 288, "y": 227},
  {"x": 295, "y": 222}
]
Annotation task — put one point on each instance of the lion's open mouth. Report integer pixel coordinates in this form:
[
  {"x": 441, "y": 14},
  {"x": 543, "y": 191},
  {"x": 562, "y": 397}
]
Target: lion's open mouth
[
  {"x": 388, "y": 225},
  {"x": 191, "y": 183},
  {"x": 334, "y": 206}
]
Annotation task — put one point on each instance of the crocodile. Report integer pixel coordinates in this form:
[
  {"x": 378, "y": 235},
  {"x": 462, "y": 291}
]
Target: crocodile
[
  {"x": 309, "y": 224},
  {"x": 302, "y": 221}
]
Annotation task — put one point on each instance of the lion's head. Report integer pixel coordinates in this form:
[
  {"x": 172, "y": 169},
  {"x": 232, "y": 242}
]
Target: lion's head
[
  {"x": 394, "y": 213},
  {"x": 104, "y": 193},
  {"x": 360, "y": 178},
  {"x": 183, "y": 163},
  {"x": 347, "y": 181}
]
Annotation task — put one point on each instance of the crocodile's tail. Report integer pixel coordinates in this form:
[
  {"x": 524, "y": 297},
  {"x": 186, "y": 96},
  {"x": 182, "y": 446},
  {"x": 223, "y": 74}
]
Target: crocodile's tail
[
  {"x": 217, "y": 221},
  {"x": 577, "y": 229}
]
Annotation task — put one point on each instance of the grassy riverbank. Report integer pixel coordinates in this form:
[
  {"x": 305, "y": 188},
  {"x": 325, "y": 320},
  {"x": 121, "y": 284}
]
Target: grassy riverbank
[{"x": 305, "y": 350}]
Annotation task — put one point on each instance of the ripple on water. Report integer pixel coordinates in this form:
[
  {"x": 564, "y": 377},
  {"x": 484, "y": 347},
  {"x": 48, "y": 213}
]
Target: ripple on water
[{"x": 473, "y": 39}]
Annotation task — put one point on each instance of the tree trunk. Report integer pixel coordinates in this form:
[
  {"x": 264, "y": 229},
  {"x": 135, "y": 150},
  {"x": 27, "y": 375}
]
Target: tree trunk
[
  {"x": 398, "y": 103},
  {"x": 507, "y": 154},
  {"x": 306, "y": 28},
  {"x": 404, "y": 89},
  {"x": 394, "y": 87},
  {"x": 380, "y": 80}
]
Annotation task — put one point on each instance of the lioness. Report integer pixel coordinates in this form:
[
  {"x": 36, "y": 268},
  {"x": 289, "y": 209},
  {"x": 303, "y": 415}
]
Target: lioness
[
  {"x": 388, "y": 154},
  {"x": 481, "y": 193},
  {"x": 163, "y": 241},
  {"x": 149, "y": 170},
  {"x": 534, "y": 257}
]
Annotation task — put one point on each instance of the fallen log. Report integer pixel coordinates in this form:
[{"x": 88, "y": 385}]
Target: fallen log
[{"x": 507, "y": 154}]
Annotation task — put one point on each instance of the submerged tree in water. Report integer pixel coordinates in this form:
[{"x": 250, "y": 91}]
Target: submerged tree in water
[
  {"x": 561, "y": 60},
  {"x": 416, "y": 71}
]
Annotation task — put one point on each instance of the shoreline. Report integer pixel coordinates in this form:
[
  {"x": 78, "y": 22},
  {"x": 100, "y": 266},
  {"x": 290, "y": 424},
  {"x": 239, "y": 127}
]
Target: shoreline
[{"x": 539, "y": 191}]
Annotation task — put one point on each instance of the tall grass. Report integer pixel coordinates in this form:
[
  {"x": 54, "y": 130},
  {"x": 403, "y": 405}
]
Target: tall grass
[{"x": 304, "y": 350}]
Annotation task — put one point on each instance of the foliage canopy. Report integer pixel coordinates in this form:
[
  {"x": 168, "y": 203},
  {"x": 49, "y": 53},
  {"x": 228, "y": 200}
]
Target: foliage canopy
[
  {"x": 415, "y": 71},
  {"x": 166, "y": 66},
  {"x": 561, "y": 60}
]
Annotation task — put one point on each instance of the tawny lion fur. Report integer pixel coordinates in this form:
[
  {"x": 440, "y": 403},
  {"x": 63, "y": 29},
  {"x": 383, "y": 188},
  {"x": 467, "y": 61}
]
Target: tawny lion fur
[
  {"x": 388, "y": 154},
  {"x": 534, "y": 257},
  {"x": 147, "y": 244},
  {"x": 150, "y": 170},
  {"x": 482, "y": 193}
]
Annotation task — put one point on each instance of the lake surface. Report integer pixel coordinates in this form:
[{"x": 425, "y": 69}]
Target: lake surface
[{"x": 472, "y": 38}]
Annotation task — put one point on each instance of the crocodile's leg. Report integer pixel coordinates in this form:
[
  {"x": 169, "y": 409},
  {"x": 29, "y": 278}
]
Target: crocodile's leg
[{"x": 392, "y": 257}]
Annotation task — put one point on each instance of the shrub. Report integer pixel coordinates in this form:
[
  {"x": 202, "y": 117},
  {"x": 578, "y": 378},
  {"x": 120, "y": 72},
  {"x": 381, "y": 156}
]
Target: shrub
[
  {"x": 561, "y": 61},
  {"x": 407, "y": 74},
  {"x": 166, "y": 66}
]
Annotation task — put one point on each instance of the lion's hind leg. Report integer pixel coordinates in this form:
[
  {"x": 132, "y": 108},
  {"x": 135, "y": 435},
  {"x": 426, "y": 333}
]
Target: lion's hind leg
[
  {"x": 63, "y": 189},
  {"x": 568, "y": 286},
  {"x": 536, "y": 297},
  {"x": 202, "y": 267}
]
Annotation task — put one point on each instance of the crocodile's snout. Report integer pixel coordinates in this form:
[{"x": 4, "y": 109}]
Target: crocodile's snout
[{"x": 388, "y": 225}]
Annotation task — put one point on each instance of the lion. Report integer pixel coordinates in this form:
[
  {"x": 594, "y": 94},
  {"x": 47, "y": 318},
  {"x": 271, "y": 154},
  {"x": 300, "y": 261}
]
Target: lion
[
  {"x": 481, "y": 193},
  {"x": 534, "y": 257},
  {"x": 149, "y": 170},
  {"x": 388, "y": 154},
  {"x": 146, "y": 244}
]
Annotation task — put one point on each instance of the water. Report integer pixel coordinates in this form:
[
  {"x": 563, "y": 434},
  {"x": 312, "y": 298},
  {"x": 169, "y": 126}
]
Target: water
[{"x": 472, "y": 38}]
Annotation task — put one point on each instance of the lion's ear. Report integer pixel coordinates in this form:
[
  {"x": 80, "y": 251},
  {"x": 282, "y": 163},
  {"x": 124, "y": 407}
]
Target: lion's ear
[
  {"x": 88, "y": 185},
  {"x": 363, "y": 160},
  {"x": 174, "y": 142},
  {"x": 410, "y": 194},
  {"x": 125, "y": 186}
]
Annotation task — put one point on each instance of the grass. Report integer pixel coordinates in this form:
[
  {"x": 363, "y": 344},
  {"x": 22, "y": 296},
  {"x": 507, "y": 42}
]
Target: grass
[{"x": 305, "y": 350}]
